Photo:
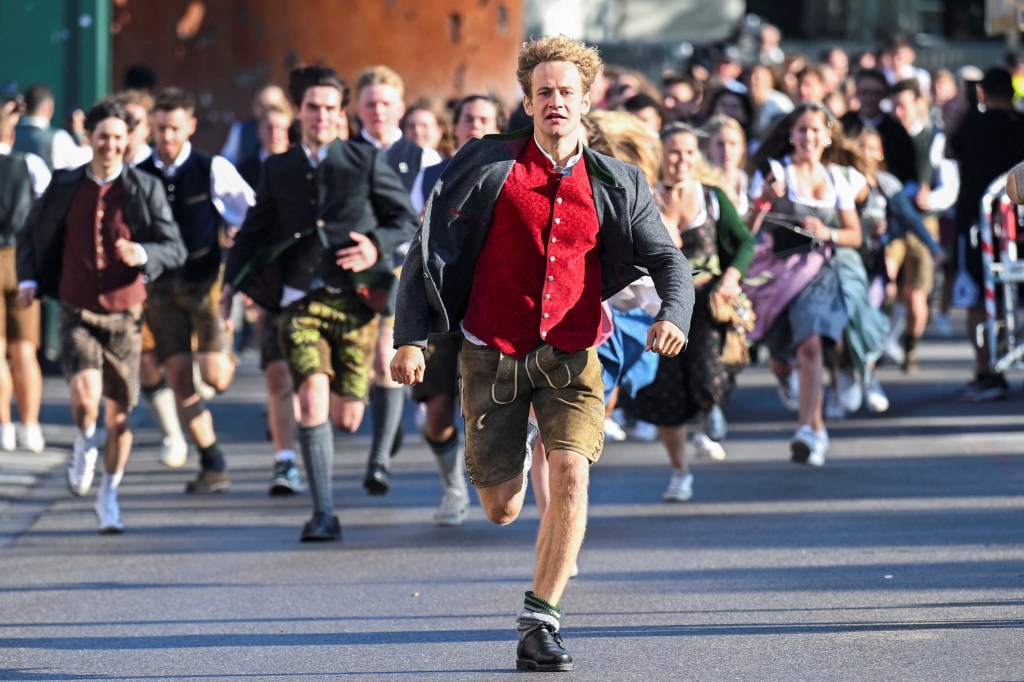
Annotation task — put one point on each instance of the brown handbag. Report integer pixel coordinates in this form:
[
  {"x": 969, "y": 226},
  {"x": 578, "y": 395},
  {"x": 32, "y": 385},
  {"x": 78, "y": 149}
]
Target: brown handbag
[{"x": 738, "y": 317}]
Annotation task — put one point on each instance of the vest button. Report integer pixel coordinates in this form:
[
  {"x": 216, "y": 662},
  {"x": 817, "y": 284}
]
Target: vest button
[
  {"x": 543, "y": 335},
  {"x": 552, "y": 259},
  {"x": 309, "y": 176},
  {"x": 554, "y": 239},
  {"x": 170, "y": 188},
  {"x": 558, "y": 200},
  {"x": 320, "y": 223},
  {"x": 547, "y": 315},
  {"x": 547, "y": 296},
  {"x": 550, "y": 278},
  {"x": 298, "y": 235},
  {"x": 557, "y": 221}
]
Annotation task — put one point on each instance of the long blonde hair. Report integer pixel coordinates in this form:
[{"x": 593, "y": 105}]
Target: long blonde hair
[
  {"x": 630, "y": 140},
  {"x": 717, "y": 124}
]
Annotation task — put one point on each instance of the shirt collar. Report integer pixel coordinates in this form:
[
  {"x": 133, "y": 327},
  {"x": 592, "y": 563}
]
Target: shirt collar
[
  {"x": 172, "y": 168},
  {"x": 5, "y": 149},
  {"x": 916, "y": 129},
  {"x": 394, "y": 137},
  {"x": 102, "y": 181},
  {"x": 143, "y": 153},
  {"x": 567, "y": 168},
  {"x": 321, "y": 154}
]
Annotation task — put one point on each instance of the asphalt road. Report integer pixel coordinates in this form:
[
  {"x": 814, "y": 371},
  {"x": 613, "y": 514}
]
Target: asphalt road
[{"x": 901, "y": 559}]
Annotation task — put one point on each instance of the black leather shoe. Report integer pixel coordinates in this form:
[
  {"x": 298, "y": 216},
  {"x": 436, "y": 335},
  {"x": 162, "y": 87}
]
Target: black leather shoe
[
  {"x": 541, "y": 651},
  {"x": 377, "y": 481},
  {"x": 321, "y": 528}
]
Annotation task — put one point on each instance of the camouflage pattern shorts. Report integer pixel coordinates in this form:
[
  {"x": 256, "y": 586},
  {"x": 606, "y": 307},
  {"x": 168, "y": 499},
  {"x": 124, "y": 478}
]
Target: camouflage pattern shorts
[{"x": 333, "y": 334}]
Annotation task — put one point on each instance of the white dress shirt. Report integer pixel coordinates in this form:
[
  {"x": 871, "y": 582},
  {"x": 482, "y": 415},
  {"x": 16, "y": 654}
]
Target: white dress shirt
[
  {"x": 66, "y": 152},
  {"x": 231, "y": 195},
  {"x": 37, "y": 170}
]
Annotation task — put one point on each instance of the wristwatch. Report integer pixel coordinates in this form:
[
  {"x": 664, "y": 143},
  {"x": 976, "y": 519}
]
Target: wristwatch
[{"x": 833, "y": 235}]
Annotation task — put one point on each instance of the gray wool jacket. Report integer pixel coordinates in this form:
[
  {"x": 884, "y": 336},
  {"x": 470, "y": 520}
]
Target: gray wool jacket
[{"x": 438, "y": 274}]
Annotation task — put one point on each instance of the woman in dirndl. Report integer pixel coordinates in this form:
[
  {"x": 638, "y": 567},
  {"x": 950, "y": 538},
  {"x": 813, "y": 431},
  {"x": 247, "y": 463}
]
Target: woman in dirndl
[
  {"x": 806, "y": 208},
  {"x": 716, "y": 241}
]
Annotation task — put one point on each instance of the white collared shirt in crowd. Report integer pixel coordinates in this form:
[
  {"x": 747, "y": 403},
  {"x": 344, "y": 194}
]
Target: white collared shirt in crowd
[
  {"x": 37, "y": 170},
  {"x": 231, "y": 195},
  {"x": 66, "y": 152}
]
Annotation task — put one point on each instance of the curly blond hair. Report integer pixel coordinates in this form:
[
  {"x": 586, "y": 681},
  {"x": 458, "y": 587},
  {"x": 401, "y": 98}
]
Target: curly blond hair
[{"x": 557, "y": 49}]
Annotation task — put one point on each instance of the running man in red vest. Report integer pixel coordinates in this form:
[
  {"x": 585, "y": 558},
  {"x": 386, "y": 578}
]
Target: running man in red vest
[{"x": 521, "y": 239}]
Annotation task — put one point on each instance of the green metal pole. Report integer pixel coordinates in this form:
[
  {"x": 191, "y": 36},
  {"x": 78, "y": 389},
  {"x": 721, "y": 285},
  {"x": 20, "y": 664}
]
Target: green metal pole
[{"x": 93, "y": 26}]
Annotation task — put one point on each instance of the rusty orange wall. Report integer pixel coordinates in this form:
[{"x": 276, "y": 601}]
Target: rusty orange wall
[{"x": 223, "y": 50}]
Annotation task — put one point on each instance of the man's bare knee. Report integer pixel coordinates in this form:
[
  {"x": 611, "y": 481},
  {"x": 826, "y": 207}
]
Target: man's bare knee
[
  {"x": 570, "y": 475},
  {"x": 503, "y": 502}
]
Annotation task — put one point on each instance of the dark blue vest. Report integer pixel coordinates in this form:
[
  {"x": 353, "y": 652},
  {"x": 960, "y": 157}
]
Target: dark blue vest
[
  {"x": 404, "y": 157},
  {"x": 198, "y": 219},
  {"x": 34, "y": 140}
]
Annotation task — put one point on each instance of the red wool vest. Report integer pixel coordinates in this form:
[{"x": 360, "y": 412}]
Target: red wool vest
[
  {"x": 92, "y": 275},
  {"x": 538, "y": 277}
]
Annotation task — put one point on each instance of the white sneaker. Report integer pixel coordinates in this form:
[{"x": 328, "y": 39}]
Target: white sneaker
[
  {"x": 174, "y": 452},
  {"x": 8, "y": 439},
  {"x": 645, "y": 431},
  {"x": 894, "y": 350},
  {"x": 705, "y": 447},
  {"x": 82, "y": 464},
  {"x": 715, "y": 424},
  {"x": 833, "y": 410},
  {"x": 613, "y": 432},
  {"x": 680, "y": 487},
  {"x": 789, "y": 392},
  {"x": 848, "y": 390},
  {"x": 874, "y": 396},
  {"x": 809, "y": 446},
  {"x": 30, "y": 437},
  {"x": 943, "y": 326},
  {"x": 108, "y": 512},
  {"x": 454, "y": 508},
  {"x": 823, "y": 445}
]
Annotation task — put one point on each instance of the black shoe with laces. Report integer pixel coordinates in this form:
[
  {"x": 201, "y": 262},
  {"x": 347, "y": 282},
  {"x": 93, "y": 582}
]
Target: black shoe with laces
[
  {"x": 985, "y": 388},
  {"x": 287, "y": 479},
  {"x": 321, "y": 528},
  {"x": 378, "y": 480},
  {"x": 541, "y": 651}
]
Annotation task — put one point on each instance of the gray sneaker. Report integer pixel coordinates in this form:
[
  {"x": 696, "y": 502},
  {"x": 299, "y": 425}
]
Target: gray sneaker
[
  {"x": 714, "y": 423},
  {"x": 287, "y": 479},
  {"x": 454, "y": 508}
]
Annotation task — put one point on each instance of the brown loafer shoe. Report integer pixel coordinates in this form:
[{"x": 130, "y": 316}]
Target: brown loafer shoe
[{"x": 209, "y": 481}]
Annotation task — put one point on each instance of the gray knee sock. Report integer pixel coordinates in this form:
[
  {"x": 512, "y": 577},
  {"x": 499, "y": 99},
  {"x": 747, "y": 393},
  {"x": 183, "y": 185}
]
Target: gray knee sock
[
  {"x": 317, "y": 445},
  {"x": 387, "y": 404},
  {"x": 450, "y": 462}
]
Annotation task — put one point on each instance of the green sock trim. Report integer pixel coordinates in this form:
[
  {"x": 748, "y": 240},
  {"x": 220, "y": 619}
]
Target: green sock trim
[{"x": 541, "y": 605}]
